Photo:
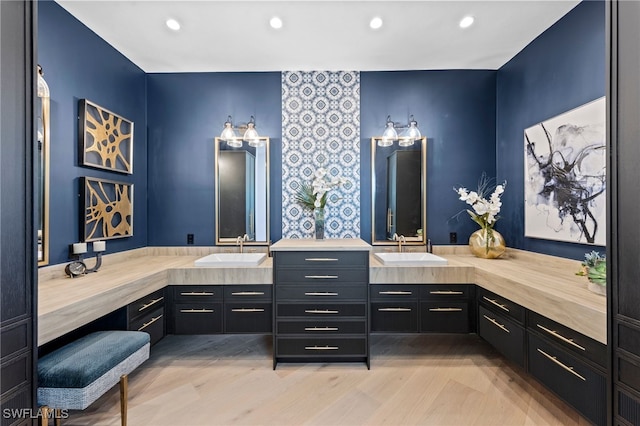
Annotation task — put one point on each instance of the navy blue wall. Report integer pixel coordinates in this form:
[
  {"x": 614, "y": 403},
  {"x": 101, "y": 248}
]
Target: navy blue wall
[
  {"x": 456, "y": 111},
  {"x": 78, "y": 64},
  {"x": 560, "y": 70},
  {"x": 186, "y": 112}
]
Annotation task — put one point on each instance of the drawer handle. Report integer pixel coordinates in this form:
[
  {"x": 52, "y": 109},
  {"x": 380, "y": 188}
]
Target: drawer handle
[
  {"x": 445, "y": 309},
  {"x": 321, "y": 293},
  {"x": 320, "y": 311},
  {"x": 147, "y": 324},
  {"x": 321, "y": 259},
  {"x": 247, "y": 310},
  {"x": 153, "y": 302},
  {"x": 493, "y": 301},
  {"x": 555, "y": 360},
  {"x": 396, "y": 292},
  {"x": 559, "y": 336},
  {"x": 446, "y": 292},
  {"x": 196, "y": 311},
  {"x": 321, "y": 348},
  {"x": 248, "y": 293},
  {"x": 321, "y": 277},
  {"x": 496, "y": 323},
  {"x": 321, "y": 329},
  {"x": 196, "y": 293},
  {"x": 394, "y": 309}
]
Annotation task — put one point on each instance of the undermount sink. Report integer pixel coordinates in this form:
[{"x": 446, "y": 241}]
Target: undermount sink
[
  {"x": 410, "y": 259},
  {"x": 231, "y": 259}
]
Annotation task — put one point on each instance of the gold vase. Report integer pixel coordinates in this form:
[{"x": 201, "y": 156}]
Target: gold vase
[{"x": 487, "y": 243}]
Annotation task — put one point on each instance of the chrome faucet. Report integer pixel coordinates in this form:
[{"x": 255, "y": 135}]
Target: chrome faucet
[
  {"x": 240, "y": 241},
  {"x": 400, "y": 239}
]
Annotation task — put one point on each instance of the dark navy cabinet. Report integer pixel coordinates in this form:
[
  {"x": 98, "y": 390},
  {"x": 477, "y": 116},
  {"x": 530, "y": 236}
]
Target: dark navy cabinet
[{"x": 148, "y": 314}]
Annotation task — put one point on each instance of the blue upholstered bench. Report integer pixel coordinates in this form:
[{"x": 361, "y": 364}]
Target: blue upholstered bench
[{"x": 80, "y": 372}]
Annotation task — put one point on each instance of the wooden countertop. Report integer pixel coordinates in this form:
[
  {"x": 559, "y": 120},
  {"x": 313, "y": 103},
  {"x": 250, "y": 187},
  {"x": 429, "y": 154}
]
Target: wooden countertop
[
  {"x": 330, "y": 244},
  {"x": 545, "y": 284}
]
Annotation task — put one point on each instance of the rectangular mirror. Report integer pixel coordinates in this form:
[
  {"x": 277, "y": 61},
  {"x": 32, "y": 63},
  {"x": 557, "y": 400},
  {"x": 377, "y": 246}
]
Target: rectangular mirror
[
  {"x": 398, "y": 190},
  {"x": 242, "y": 191}
]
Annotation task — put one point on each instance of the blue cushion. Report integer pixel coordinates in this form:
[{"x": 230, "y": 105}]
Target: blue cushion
[{"x": 80, "y": 363}]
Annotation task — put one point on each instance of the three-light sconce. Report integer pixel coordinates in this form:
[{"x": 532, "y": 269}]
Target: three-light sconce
[
  {"x": 408, "y": 137},
  {"x": 248, "y": 131}
]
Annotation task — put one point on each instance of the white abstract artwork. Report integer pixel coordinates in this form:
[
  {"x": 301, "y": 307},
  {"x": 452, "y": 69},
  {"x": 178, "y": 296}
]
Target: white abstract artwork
[{"x": 565, "y": 176}]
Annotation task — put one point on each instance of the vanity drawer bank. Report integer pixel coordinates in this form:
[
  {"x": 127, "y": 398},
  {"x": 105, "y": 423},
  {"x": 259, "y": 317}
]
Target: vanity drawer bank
[
  {"x": 148, "y": 314},
  {"x": 321, "y": 301}
]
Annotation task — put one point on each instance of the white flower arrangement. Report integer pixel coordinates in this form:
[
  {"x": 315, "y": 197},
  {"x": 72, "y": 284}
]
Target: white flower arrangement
[
  {"x": 485, "y": 210},
  {"x": 316, "y": 195}
]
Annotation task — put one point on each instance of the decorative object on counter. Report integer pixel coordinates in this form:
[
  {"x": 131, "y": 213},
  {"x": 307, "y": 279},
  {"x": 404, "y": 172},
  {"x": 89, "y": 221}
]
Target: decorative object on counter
[
  {"x": 105, "y": 139},
  {"x": 486, "y": 242},
  {"x": 315, "y": 196},
  {"x": 78, "y": 267},
  {"x": 594, "y": 267},
  {"x": 565, "y": 176},
  {"x": 108, "y": 209}
]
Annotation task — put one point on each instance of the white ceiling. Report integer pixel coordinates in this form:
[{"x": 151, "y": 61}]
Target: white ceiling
[{"x": 317, "y": 35}]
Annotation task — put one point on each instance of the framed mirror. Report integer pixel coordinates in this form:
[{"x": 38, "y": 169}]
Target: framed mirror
[
  {"x": 41, "y": 174},
  {"x": 242, "y": 191},
  {"x": 398, "y": 190}
]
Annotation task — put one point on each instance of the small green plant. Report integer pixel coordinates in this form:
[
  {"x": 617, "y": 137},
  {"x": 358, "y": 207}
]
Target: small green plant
[{"x": 594, "y": 267}]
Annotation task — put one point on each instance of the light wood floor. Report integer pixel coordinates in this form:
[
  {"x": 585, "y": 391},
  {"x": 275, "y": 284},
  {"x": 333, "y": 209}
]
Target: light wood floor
[{"x": 414, "y": 380}]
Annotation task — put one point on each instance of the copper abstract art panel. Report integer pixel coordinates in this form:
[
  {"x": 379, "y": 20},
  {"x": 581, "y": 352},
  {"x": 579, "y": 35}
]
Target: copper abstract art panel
[
  {"x": 108, "y": 209},
  {"x": 106, "y": 139}
]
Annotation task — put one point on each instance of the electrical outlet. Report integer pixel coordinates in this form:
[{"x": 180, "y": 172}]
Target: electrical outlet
[
  {"x": 189, "y": 238},
  {"x": 453, "y": 237}
]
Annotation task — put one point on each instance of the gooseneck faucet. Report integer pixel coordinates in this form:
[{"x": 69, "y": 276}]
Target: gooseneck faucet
[
  {"x": 400, "y": 239},
  {"x": 240, "y": 241}
]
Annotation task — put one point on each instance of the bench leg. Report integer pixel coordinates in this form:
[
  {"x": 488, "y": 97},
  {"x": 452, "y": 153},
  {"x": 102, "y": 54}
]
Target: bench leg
[
  {"x": 58, "y": 417},
  {"x": 124, "y": 389},
  {"x": 44, "y": 412}
]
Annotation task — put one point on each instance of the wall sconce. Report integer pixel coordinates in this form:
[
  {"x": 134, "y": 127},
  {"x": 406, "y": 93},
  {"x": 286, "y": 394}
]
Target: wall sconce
[
  {"x": 390, "y": 133},
  {"x": 248, "y": 131}
]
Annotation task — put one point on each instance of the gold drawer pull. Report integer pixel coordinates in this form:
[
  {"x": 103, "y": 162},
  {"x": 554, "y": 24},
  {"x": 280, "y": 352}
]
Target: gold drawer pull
[
  {"x": 196, "y": 293},
  {"x": 147, "y": 324},
  {"x": 555, "y": 360},
  {"x": 321, "y": 259},
  {"x": 247, "y": 310},
  {"x": 321, "y": 348},
  {"x": 321, "y": 329},
  {"x": 196, "y": 311},
  {"x": 394, "y": 309},
  {"x": 321, "y": 277},
  {"x": 248, "y": 293},
  {"x": 396, "y": 293},
  {"x": 496, "y": 323},
  {"x": 153, "y": 302},
  {"x": 445, "y": 309},
  {"x": 493, "y": 301},
  {"x": 446, "y": 292},
  {"x": 559, "y": 336},
  {"x": 321, "y": 293},
  {"x": 320, "y": 311}
]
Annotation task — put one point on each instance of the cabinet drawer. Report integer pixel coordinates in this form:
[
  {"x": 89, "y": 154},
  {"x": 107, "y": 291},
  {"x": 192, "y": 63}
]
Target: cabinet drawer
[
  {"x": 444, "y": 291},
  {"x": 444, "y": 317},
  {"x": 321, "y": 346},
  {"x": 322, "y": 259},
  {"x": 399, "y": 317},
  {"x": 197, "y": 293},
  {"x": 198, "y": 318},
  {"x": 146, "y": 304},
  {"x": 248, "y": 317},
  {"x": 572, "y": 380},
  {"x": 321, "y": 327},
  {"x": 321, "y": 292},
  {"x": 626, "y": 406},
  {"x": 501, "y": 305},
  {"x": 394, "y": 292},
  {"x": 321, "y": 275},
  {"x": 503, "y": 334},
  {"x": 152, "y": 323},
  {"x": 569, "y": 339},
  {"x": 627, "y": 372},
  {"x": 233, "y": 293},
  {"x": 322, "y": 310}
]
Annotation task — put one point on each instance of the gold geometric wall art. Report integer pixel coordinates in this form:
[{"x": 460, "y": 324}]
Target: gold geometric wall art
[
  {"x": 108, "y": 209},
  {"x": 105, "y": 139}
]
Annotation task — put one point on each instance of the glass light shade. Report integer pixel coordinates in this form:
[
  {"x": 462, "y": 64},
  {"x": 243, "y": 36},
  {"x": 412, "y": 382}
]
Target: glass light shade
[
  {"x": 235, "y": 143},
  {"x": 228, "y": 133},
  {"x": 384, "y": 142},
  {"x": 413, "y": 131},
  {"x": 390, "y": 132},
  {"x": 251, "y": 135},
  {"x": 256, "y": 142},
  {"x": 405, "y": 141}
]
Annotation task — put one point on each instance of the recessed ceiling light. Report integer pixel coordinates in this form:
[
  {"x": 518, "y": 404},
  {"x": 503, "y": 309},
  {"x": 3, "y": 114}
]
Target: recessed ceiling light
[
  {"x": 173, "y": 24},
  {"x": 275, "y": 23},
  {"x": 376, "y": 23},
  {"x": 467, "y": 21}
]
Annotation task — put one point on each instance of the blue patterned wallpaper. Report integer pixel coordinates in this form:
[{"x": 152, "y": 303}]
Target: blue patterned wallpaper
[{"x": 321, "y": 128}]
